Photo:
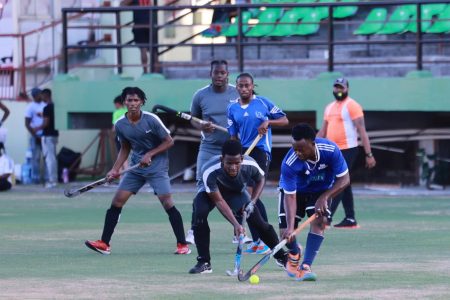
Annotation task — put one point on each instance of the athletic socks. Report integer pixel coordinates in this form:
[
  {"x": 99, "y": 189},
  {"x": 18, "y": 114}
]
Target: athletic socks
[
  {"x": 293, "y": 247},
  {"x": 111, "y": 220},
  {"x": 177, "y": 224},
  {"x": 313, "y": 243}
]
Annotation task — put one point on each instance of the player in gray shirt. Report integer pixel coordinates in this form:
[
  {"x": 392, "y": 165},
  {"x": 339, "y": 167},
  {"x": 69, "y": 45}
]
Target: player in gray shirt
[
  {"x": 146, "y": 135},
  {"x": 210, "y": 104},
  {"x": 224, "y": 185}
]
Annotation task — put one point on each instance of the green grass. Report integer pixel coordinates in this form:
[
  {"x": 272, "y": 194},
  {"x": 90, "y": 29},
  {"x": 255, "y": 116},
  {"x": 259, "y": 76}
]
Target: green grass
[{"x": 401, "y": 251}]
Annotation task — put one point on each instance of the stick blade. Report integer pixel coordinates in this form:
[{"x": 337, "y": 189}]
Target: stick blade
[
  {"x": 244, "y": 277},
  {"x": 70, "y": 194}
]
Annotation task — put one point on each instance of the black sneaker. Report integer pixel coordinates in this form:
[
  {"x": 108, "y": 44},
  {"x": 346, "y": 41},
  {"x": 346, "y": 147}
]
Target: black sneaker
[
  {"x": 201, "y": 268},
  {"x": 281, "y": 261},
  {"x": 347, "y": 223}
]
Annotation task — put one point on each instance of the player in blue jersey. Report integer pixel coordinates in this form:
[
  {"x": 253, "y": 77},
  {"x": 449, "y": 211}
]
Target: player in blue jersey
[
  {"x": 147, "y": 139},
  {"x": 312, "y": 173},
  {"x": 249, "y": 116}
]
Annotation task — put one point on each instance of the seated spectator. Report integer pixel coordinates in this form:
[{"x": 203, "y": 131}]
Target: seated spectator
[
  {"x": 6, "y": 169},
  {"x": 222, "y": 16}
]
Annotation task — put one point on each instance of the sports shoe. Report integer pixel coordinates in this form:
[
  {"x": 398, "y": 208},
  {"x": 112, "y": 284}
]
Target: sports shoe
[
  {"x": 247, "y": 240},
  {"x": 201, "y": 268},
  {"x": 190, "y": 237},
  {"x": 347, "y": 223},
  {"x": 293, "y": 264},
  {"x": 257, "y": 247},
  {"x": 304, "y": 273},
  {"x": 282, "y": 261},
  {"x": 182, "y": 249},
  {"x": 99, "y": 246}
]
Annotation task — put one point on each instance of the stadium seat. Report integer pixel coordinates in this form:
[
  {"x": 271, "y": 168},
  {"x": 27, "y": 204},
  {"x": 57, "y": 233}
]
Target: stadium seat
[
  {"x": 310, "y": 24},
  {"x": 266, "y": 24},
  {"x": 323, "y": 11},
  {"x": 428, "y": 11},
  {"x": 287, "y": 24},
  {"x": 232, "y": 30},
  {"x": 342, "y": 12},
  {"x": 399, "y": 20},
  {"x": 442, "y": 24},
  {"x": 373, "y": 23}
]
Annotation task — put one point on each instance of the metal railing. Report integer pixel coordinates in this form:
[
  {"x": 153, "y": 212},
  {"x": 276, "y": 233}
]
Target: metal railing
[{"x": 241, "y": 40}]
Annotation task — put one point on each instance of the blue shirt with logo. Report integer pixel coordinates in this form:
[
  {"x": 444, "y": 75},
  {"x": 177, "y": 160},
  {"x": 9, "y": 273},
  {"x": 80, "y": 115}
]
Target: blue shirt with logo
[
  {"x": 309, "y": 176},
  {"x": 244, "y": 120}
]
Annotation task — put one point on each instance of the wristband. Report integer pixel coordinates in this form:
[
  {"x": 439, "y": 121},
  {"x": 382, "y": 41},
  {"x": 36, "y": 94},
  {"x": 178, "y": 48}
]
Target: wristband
[{"x": 369, "y": 154}]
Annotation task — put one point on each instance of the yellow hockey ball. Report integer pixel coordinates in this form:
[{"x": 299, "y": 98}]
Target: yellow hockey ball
[{"x": 254, "y": 279}]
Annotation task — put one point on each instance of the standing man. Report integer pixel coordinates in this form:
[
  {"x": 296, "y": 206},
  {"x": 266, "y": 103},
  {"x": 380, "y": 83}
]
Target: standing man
[
  {"x": 312, "y": 173},
  {"x": 5, "y": 113},
  {"x": 146, "y": 135},
  {"x": 49, "y": 139},
  {"x": 249, "y": 116},
  {"x": 224, "y": 182},
  {"x": 343, "y": 120},
  {"x": 141, "y": 29},
  {"x": 34, "y": 119},
  {"x": 210, "y": 103}
]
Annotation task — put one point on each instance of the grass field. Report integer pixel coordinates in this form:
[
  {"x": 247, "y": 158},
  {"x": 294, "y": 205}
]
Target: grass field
[{"x": 401, "y": 251}]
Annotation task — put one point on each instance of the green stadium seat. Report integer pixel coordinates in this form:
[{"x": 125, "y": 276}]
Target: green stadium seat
[
  {"x": 287, "y": 24},
  {"x": 373, "y": 23},
  {"x": 442, "y": 24},
  {"x": 310, "y": 24},
  {"x": 399, "y": 20},
  {"x": 343, "y": 12},
  {"x": 232, "y": 30},
  {"x": 428, "y": 11},
  {"x": 267, "y": 20},
  {"x": 323, "y": 11}
]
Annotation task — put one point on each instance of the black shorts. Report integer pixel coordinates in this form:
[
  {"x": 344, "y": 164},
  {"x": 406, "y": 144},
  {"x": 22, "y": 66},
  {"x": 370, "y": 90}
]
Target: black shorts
[
  {"x": 262, "y": 159},
  {"x": 141, "y": 35},
  {"x": 305, "y": 206}
]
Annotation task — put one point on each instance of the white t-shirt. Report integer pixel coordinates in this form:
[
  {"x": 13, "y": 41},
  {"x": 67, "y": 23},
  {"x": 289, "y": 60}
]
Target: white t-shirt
[
  {"x": 6, "y": 166},
  {"x": 34, "y": 111}
]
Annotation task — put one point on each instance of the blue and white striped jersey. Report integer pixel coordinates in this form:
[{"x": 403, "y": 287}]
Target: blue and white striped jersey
[
  {"x": 309, "y": 176},
  {"x": 243, "y": 121}
]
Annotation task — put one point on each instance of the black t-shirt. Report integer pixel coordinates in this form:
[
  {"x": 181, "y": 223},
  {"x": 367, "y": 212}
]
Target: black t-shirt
[
  {"x": 49, "y": 112},
  {"x": 141, "y": 16}
]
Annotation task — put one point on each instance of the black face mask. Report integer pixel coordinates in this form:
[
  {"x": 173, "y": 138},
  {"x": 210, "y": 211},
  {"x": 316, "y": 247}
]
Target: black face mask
[{"x": 340, "y": 95}]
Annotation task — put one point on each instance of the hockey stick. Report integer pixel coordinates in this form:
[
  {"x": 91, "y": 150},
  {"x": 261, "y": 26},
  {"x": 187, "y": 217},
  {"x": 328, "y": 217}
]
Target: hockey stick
[
  {"x": 185, "y": 116},
  {"x": 75, "y": 192},
  {"x": 255, "y": 141},
  {"x": 262, "y": 261},
  {"x": 237, "y": 258}
]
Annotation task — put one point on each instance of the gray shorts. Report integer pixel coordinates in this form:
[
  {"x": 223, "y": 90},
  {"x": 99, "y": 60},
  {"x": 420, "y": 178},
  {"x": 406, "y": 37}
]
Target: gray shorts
[
  {"x": 159, "y": 181},
  {"x": 203, "y": 156}
]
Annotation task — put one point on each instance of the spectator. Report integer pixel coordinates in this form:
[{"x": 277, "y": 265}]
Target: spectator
[
  {"x": 5, "y": 113},
  {"x": 141, "y": 35},
  {"x": 343, "y": 120},
  {"x": 6, "y": 169},
  {"x": 118, "y": 113},
  {"x": 49, "y": 138},
  {"x": 33, "y": 119}
]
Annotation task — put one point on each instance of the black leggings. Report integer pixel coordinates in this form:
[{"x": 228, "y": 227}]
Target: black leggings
[{"x": 203, "y": 205}]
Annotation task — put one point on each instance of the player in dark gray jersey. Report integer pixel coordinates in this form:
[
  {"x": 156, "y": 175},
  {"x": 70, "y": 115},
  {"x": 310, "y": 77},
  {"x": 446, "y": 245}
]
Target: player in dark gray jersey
[
  {"x": 224, "y": 185},
  {"x": 210, "y": 103},
  {"x": 146, "y": 135}
]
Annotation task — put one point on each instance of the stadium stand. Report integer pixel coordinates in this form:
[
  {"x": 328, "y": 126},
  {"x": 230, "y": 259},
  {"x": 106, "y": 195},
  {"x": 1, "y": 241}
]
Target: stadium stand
[
  {"x": 442, "y": 23},
  {"x": 399, "y": 20},
  {"x": 373, "y": 23}
]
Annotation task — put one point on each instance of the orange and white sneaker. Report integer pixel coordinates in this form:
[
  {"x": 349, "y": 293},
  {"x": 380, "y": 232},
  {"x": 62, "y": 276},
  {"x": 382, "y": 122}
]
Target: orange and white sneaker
[
  {"x": 304, "y": 273},
  {"x": 182, "y": 249},
  {"x": 292, "y": 264},
  {"x": 99, "y": 246}
]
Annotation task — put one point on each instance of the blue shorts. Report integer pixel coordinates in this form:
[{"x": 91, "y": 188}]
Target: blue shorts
[{"x": 159, "y": 181}]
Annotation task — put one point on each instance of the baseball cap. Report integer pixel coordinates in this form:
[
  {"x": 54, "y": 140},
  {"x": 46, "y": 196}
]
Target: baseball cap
[
  {"x": 35, "y": 91},
  {"x": 341, "y": 81}
]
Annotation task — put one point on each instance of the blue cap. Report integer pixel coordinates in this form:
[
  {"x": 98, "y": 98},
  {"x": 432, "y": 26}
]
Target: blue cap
[
  {"x": 35, "y": 91},
  {"x": 342, "y": 82}
]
